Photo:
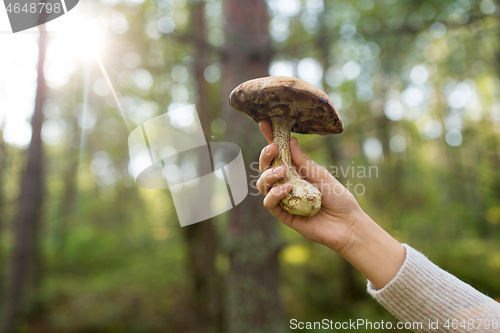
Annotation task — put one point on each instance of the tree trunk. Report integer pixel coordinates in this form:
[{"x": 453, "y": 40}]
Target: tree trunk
[
  {"x": 29, "y": 216},
  {"x": 201, "y": 238},
  {"x": 253, "y": 302},
  {"x": 67, "y": 207}
]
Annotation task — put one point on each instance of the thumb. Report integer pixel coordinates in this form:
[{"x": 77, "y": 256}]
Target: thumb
[{"x": 307, "y": 167}]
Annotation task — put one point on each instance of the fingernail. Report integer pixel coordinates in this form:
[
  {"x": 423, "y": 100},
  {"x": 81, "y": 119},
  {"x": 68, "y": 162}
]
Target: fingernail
[
  {"x": 277, "y": 171},
  {"x": 268, "y": 149},
  {"x": 296, "y": 141},
  {"x": 284, "y": 186}
]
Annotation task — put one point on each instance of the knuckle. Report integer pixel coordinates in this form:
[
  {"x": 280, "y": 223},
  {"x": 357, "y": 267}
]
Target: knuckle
[
  {"x": 259, "y": 185},
  {"x": 268, "y": 172},
  {"x": 265, "y": 202},
  {"x": 266, "y": 176}
]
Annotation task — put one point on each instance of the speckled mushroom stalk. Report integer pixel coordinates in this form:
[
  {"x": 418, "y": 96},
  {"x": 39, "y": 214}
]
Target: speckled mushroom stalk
[{"x": 304, "y": 198}]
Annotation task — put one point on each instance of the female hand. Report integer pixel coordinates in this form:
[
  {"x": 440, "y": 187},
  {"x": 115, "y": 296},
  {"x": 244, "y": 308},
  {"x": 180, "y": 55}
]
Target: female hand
[
  {"x": 340, "y": 224},
  {"x": 339, "y": 212}
]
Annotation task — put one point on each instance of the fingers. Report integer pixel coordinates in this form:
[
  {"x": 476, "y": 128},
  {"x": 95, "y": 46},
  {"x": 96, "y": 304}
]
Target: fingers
[
  {"x": 267, "y": 130},
  {"x": 307, "y": 167},
  {"x": 269, "y": 177},
  {"x": 274, "y": 196},
  {"x": 266, "y": 156}
]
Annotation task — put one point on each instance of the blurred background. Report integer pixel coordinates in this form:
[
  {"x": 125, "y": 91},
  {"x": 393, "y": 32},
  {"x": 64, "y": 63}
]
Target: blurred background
[{"x": 83, "y": 249}]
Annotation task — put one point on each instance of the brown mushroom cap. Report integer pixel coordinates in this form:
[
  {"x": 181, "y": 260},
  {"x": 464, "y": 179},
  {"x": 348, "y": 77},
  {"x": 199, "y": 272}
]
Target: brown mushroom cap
[{"x": 288, "y": 98}]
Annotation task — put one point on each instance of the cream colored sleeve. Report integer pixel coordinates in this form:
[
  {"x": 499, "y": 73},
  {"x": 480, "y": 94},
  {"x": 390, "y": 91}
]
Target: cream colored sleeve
[{"x": 423, "y": 292}]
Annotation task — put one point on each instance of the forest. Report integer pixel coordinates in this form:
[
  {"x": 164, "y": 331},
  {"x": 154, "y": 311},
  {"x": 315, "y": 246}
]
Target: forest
[{"x": 84, "y": 249}]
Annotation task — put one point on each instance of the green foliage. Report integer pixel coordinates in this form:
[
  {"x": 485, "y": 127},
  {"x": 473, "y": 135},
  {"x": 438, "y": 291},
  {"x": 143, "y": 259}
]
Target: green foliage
[{"x": 417, "y": 86}]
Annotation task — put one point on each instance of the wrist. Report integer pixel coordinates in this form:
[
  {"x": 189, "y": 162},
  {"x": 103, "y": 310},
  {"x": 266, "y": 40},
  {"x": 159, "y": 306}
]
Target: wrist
[{"x": 375, "y": 253}]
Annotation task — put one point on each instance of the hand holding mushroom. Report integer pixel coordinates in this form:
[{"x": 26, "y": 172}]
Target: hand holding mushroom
[
  {"x": 340, "y": 223},
  {"x": 290, "y": 105},
  {"x": 339, "y": 211}
]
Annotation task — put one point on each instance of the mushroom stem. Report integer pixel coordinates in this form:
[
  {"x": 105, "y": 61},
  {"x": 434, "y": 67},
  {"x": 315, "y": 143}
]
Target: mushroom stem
[{"x": 304, "y": 198}]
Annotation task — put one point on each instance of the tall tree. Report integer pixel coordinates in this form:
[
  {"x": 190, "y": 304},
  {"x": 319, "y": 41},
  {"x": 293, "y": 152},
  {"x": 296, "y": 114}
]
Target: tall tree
[
  {"x": 30, "y": 203},
  {"x": 253, "y": 302},
  {"x": 69, "y": 174},
  {"x": 201, "y": 238},
  {"x": 68, "y": 200}
]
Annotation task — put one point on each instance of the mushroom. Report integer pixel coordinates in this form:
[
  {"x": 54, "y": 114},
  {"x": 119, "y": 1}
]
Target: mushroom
[{"x": 293, "y": 105}]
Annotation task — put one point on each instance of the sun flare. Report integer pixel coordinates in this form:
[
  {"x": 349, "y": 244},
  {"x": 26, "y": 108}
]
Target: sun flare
[{"x": 81, "y": 40}]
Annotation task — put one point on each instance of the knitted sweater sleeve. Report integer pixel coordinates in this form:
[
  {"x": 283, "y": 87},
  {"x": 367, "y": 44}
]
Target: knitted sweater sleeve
[{"x": 422, "y": 292}]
